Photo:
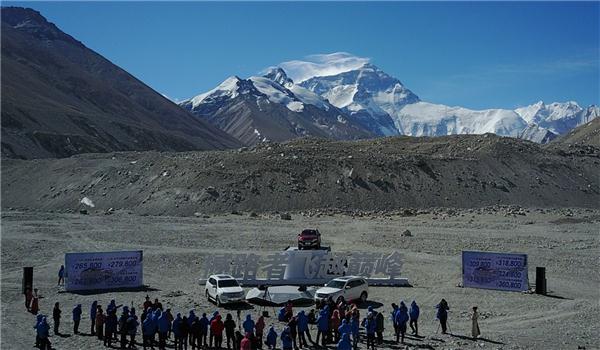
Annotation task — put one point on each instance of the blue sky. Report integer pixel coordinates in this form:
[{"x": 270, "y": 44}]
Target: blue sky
[{"x": 477, "y": 55}]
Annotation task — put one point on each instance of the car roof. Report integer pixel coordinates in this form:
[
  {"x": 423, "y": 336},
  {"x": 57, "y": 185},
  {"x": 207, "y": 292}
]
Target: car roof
[
  {"x": 347, "y": 278},
  {"x": 223, "y": 277}
]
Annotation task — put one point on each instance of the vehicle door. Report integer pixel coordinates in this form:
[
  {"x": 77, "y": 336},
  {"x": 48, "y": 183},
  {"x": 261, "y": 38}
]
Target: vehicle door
[{"x": 212, "y": 289}]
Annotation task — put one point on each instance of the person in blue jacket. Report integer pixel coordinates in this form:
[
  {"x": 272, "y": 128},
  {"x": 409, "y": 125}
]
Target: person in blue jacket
[
  {"x": 323, "y": 326},
  {"x": 38, "y": 320},
  {"x": 204, "y": 324},
  {"x": 42, "y": 330},
  {"x": 370, "y": 327},
  {"x": 76, "y": 318},
  {"x": 163, "y": 329},
  {"x": 271, "y": 341},
  {"x": 147, "y": 333},
  {"x": 286, "y": 339},
  {"x": 281, "y": 315},
  {"x": 442, "y": 314},
  {"x": 248, "y": 325},
  {"x": 401, "y": 319},
  {"x": 344, "y": 343},
  {"x": 303, "y": 332},
  {"x": 414, "y": 317},
  {"x": 355, "y": 327},
  {"x": 345, "y": 327},
  {"x": 93, "y": 311},
  {"x": 61, "y": 275}
]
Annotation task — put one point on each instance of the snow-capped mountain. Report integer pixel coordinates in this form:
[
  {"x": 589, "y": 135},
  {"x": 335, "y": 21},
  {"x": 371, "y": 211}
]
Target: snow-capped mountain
[
  {"x": 345, "y": 97},
  {"x": 367, "y": 94},
  {"x": 383, "y": 105},
  {"x": 559, "y": 118},
  {"x": 271, "y": 107}
]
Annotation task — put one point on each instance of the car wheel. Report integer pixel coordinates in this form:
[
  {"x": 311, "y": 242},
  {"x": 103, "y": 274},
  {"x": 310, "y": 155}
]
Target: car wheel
[
  {"x": 206, "y": 293},
  {"x": 363, "y": 297}
]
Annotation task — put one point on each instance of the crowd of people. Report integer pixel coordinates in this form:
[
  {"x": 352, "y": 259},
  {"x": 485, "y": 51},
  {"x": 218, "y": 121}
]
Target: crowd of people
[{"x": 337, "y": 323}]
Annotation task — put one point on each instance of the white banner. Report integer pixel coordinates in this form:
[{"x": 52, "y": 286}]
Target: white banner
[
  {"x": 501, "y": 271},
  {"x": 104, "y": 270}
]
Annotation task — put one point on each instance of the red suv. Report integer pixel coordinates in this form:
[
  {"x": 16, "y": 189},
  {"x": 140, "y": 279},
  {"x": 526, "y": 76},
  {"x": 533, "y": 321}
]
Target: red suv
[{"x": 309, "y": 239}]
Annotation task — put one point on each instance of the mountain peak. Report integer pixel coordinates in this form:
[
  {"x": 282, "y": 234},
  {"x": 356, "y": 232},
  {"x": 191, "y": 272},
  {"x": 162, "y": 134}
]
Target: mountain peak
[
  {"x": 30, "y": 21},
  {"x": 278, "y": 75}
]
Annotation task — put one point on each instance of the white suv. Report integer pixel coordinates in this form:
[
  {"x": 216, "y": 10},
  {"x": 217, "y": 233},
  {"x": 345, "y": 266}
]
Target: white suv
[
  {"x": 223, "y": 289},
  {"x": 349, "y": 287}
]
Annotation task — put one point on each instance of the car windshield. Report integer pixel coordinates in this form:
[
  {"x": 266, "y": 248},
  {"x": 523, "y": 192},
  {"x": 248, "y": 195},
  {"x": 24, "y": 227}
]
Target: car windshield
[
  {"x": 309, "y": 233},
  {"x": 228, "y": 283},
  {"x": 336, "y": 284}
]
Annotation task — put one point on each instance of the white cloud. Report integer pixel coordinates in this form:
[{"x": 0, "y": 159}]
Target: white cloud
[{"x": 322, "y": 65}]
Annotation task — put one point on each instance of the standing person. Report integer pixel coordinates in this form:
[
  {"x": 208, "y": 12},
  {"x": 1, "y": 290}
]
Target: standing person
[
  {"x": 147, "y": 303},
  {"x": 216, "y": 329},
  {"x": 286, "y": 339},
  {"x": 293, "y": 327},
  {"x": 271, "y": 342},
  {"x": 176, "y": 327},
  {"x": 76, "y": 318},
  {"x": 260, "y": 328},
  {"x": 56, "y": 317},
  {"x": 401, "y": 319},
  {"x": 370, "y": 327},
  {"x": 170, "y": 318},
  {"x": 393, "y": 318},
  {"x": 132, "y": 325},
  {"x": 93, "y": 310},
  {"x": 191, "y": 318},
  {"x": 148, "y": 333},
  {"x": 35, "y": 306},
  {"x": 323, "y": 326},
  {"x": 204, "y": 324},
  {"x": 442, "y": 314},
  {"x": 163, "y": 329},
  {"x": 475, "y": 332},
  {"x": 38, "y": 321},
  {"x": 42, "y": 333},
  {"x": 334, "y": 325},
  {"x": 123, "y": 326},
  {"x": 195, "y": 330},
  {"x": 239, "y": 337},
  {"x": 355, "y": 327},
  {"x": 230, "y": 331},
  {"x": 303, "y": 332},
  {"x": 414, "y": 317},
  {"x": 379, "y": 327},
  {"x": 248, "y": 325},
  {"x": 100, "y": 319},
  {"x": 211, "y": 336},
  {"x": 28, "y": 298},
  {"x": 344, "y": 328},
  {"x": 344, "y": 343},
  {"x": 111, "y": 327},
  {"x": 185, "y": 329},
  {"x": 246, "y": 343},
  {"x": 61, "y": 275}
]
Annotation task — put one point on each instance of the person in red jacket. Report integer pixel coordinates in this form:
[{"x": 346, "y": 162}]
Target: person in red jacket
[
  {"x": 216, "y": 328},
  {"x": 246, "y": 343}
]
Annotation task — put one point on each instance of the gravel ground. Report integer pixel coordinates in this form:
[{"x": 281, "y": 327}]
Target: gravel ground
[{"x": 565, "y": 241}]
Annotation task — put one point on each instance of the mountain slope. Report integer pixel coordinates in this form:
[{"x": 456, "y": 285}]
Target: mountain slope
[
  {"x": 271, "y": 107},
  {"x": 587, "y": 134},
  {"x": 60, "y": 98},
  {"x": 377, "y": 174}
]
